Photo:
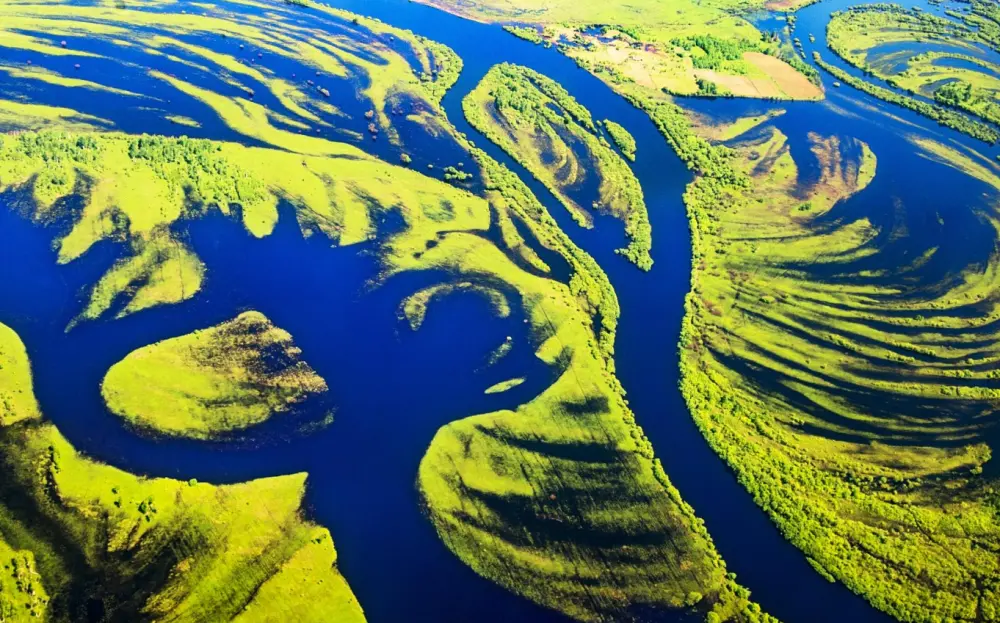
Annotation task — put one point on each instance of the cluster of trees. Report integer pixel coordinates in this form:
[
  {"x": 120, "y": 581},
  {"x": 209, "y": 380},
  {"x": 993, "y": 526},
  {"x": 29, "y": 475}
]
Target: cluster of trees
[
  {"x": 198, "y": 167},
  {"x": 528, "y": 33},
  {"x": 51, "y": 147},
  {"x": 954, "y": 93},
  {"x": 707, "y": 87},
  {"x": 622, "y": 138},
  {"x": 529, "y": 93},
  {"x": 710, "y": 52}
]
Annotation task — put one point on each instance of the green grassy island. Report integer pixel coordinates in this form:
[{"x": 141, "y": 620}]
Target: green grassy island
[
  {"x": 622, "y": 138},
  {"x": 219, "y": 380},
  {"x": 537, "y": 122}
]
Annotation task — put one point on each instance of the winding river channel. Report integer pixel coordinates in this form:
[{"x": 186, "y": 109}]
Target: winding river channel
[{"x": 363, "y": 467}]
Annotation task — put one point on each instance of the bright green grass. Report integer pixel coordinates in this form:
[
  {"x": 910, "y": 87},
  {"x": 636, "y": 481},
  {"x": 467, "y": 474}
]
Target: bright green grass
[
  {"x": 536, "y": 121},
  {"x": 218, "y": 380},
  {"x": 503, "y": 386},
  {"x": 329, "y": 195}
]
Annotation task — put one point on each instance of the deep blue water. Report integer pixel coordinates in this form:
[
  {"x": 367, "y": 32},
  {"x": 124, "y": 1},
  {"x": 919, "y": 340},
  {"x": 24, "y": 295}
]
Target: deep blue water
[{"x": 393, "y": 388}]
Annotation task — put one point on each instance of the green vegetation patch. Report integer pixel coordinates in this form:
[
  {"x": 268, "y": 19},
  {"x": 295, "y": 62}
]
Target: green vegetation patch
[
  {"x": 944, "y": 116},
  {"x": 967, "y": 82},
  {"x": 217, "y": 380},
  {"x": 541, "y": 125},
  {"x": 622, "y": 138},
  {"x": 389, "y": 68},
  {"x": 135, "y": 189}
]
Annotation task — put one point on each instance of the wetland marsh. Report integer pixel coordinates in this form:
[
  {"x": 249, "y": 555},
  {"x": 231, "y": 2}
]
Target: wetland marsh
[{"x": 323, "y": 310}]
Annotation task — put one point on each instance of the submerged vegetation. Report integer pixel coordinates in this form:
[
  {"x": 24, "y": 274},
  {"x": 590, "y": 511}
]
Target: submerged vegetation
[
  {"x": 538, "y": 123},
  {"x": 214, "y": 381}
]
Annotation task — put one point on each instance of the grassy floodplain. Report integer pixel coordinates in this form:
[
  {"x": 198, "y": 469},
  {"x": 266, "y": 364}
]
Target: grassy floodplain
[
  {"x": 560, "y": 458},
  {"x": 864, "y": 448},
  {"x": 844, "y": 446},
  {"x": 553, "y": 136},
  {"x": 246, "y": 81},
  {"x": 557, "y": 460},
  {"x": 337, "y": 191},
  {"x": 219, "y": 380},
  {"x": 955, "y": 78},
  {"x": 78, "y": 533},
  {"x": 675, "y": 567}
]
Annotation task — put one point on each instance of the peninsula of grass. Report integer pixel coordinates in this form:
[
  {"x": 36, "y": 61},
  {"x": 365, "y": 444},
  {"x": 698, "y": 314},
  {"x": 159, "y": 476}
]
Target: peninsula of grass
[
  {"x": 952, "y": 78},
  {"x": 215, "y": 381},
  {"x": 524, "y": 496},
  {"x": 540, "y": 124}
]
